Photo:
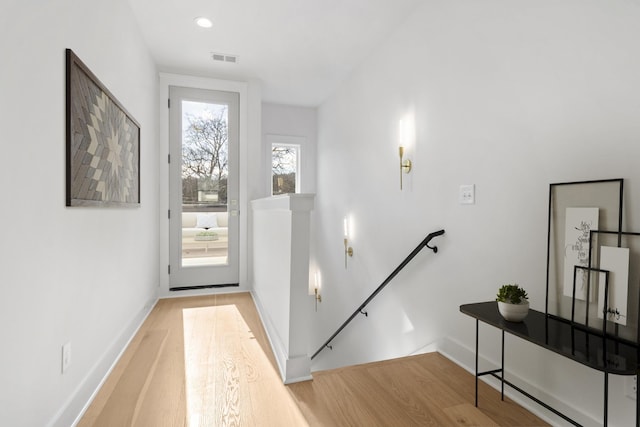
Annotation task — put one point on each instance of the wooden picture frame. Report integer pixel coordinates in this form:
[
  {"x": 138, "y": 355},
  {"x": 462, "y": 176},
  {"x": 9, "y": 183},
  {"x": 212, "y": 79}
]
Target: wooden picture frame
[{"x": 102, "y": 143}]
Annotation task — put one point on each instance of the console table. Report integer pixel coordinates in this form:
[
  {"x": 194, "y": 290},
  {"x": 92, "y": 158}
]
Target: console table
[{"x": 588, "y": 347}]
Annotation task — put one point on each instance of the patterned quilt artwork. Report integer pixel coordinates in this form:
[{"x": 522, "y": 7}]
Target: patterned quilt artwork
[{"x": 104, "y": 151}]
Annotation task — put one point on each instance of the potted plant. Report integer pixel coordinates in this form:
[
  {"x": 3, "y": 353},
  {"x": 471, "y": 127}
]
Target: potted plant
[{"x": 513, "y": 303}]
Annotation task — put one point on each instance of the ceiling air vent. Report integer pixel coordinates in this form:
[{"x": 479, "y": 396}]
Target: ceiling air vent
[{"x": 223, "y": 57}]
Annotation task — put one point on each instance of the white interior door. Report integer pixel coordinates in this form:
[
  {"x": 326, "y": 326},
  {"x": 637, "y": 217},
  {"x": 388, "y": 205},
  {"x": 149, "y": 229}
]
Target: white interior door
[{"x": 203, "y": 188}]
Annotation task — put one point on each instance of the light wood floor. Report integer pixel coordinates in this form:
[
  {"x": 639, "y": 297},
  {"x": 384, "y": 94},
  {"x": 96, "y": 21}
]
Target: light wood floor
[{"x": 205, "y": 361}]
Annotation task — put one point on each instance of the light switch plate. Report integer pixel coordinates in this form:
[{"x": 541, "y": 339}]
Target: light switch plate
[
  {"x": 467, "y": 195},
  {"x": 66, "y": 357}
]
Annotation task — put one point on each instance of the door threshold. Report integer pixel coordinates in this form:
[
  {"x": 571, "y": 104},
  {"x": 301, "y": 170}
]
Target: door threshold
[{"x": 189, "y": 288}]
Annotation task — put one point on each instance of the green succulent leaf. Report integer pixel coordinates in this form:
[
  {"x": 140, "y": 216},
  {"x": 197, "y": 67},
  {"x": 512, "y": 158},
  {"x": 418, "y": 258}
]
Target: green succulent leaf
[{"x": 513, "y": 294}]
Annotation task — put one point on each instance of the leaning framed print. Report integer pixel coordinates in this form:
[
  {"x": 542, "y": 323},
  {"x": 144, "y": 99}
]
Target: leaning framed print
[
  {"x": 575, "y": 210},
  {"x": 619, "y": 301},
  {"x": 102, "y": 143}
]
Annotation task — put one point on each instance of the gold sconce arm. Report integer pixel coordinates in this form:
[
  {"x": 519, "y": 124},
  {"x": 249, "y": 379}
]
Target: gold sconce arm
[
  {"x": 348, "y": 251},
  {"x": 405, "y": 165}
]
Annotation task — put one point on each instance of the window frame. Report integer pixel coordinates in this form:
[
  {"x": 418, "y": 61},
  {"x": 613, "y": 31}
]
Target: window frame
[{"x": 285, "y": 141}]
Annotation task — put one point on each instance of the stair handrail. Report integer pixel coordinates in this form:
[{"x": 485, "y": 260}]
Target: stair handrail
[{"x": 359, "y": 310}]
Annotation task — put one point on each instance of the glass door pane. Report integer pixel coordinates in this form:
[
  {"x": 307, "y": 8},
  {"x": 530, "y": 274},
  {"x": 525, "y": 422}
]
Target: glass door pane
[{"x": 205, "y": 172}]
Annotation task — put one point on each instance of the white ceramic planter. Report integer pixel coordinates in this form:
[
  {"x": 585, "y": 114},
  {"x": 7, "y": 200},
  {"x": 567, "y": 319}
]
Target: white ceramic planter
[{"x": 514, "y": 312}]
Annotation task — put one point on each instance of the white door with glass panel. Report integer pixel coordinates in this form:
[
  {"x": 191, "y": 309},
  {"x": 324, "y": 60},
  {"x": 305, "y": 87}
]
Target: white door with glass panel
[{"x": 203, "y": 188}]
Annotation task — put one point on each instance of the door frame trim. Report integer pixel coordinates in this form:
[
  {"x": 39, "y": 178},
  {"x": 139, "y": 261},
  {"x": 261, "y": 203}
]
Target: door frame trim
[{"x": 242, "y": 88}]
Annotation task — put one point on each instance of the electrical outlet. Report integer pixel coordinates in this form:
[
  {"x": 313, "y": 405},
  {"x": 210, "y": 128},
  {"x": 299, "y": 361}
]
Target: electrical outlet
[
  {"x": 66, "y": 357},
  {"x": 631, "y": 387}
]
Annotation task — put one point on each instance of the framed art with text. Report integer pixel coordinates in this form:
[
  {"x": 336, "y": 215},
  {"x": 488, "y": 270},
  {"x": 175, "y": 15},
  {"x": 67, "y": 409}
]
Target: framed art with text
[
  {"x": 103, "y": 143},
  {"x": 576, "y": 209}
]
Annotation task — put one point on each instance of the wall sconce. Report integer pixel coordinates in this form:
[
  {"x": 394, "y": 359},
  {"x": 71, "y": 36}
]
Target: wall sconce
[
  {"x": 316, "y": 289},
  {"x": 348, "y": 250},
  {"x": 405, "y": 164}
]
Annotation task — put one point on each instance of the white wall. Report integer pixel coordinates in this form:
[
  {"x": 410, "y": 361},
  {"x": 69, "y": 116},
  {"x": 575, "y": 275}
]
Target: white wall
[
  {"x": 291, "y": 121},
  {"x": 81, "y": 275},
  {"x": 509, "y": 96}
]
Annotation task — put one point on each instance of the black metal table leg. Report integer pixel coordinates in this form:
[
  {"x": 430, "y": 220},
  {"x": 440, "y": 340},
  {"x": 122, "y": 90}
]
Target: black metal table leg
[
  {"x": 477, "y": 330},
  {"x": 502, "y": 369},
  {"x": 606, "y": 398}
]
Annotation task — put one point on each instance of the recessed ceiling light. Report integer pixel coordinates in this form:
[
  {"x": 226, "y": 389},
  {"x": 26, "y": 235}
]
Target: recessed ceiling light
[{"x": 203, "y": 22}]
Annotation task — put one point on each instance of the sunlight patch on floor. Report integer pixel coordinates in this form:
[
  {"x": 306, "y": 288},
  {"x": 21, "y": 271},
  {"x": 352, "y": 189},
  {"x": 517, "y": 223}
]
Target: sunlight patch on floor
[{"x": 227, "y": 373}]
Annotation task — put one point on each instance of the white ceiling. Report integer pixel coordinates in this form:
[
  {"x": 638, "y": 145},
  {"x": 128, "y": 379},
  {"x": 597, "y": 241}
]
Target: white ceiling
[{"x": 299, "y": 50}]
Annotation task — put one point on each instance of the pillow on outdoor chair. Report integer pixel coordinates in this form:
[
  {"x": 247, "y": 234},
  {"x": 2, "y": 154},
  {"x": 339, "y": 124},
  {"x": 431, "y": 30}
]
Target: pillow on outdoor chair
[{"x": 207, "y": 220}]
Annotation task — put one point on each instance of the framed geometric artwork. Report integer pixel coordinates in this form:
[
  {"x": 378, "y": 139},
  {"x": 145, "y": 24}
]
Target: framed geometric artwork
[
  {"x": 576, "y": 209},
  {"x": 103, "y": 143}
]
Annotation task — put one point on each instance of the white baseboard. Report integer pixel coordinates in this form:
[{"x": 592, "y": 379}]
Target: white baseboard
[
  {"x": 464, "y": 356},
  {"x": 278, "y": 351},
  {"x": 429, "y": 348},
  {"x": 79, "y": 401}
]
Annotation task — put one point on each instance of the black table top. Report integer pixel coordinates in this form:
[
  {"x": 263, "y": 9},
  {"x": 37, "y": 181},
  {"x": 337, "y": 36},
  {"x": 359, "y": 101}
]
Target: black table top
[{"x": 557, "y": 335}]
